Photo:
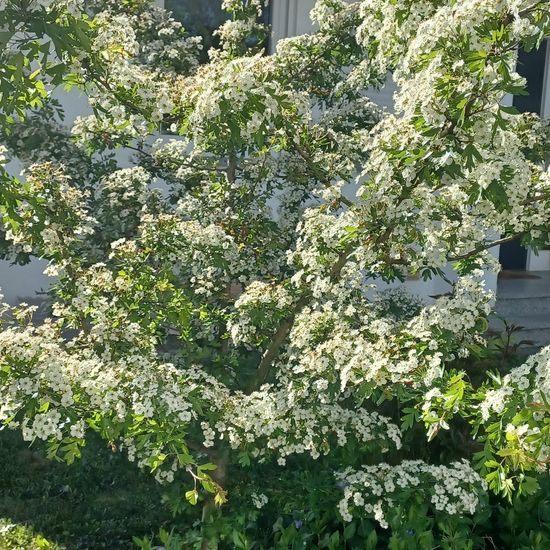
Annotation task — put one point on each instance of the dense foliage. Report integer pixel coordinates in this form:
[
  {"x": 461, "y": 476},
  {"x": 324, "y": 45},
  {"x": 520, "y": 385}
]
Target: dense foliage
[
  {"x": 101, "y": 501},
  {"x": 219, "y": 311}
]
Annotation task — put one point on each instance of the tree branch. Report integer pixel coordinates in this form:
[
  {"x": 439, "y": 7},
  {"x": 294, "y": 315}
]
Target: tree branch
[
  {"x": 286, "y": 325},
  {"x": 319, "y": 172},
  {"x": 486, "y": 246}
]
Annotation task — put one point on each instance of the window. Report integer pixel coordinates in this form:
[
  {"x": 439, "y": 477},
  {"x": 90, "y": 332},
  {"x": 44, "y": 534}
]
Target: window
[
  {"x": 199, "y": 18},
  {"x": 202, "y": 18}
]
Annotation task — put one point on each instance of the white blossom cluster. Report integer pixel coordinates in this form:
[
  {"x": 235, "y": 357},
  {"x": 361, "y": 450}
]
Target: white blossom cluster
[
  {"x": 70, "y": 386},
  {"x": 284, "y": 420},
  {"x": 89, "y": 129},
  {"x": 74, "y": 7},
  {"x": 101, "y": 296},
  {"x": 123, "y": 197},
  {"x": 255, "y": 101},
  {"x": 357, "y": 346},
  {"x": 530, "y": 381},
  {"x": 318, "y": 245},
  {"x": 205, "y": 255},
  {"x": 125, "y": 187},
  {"x": 128, "y": 74},
  {"x": 259, "y": 500},
  {"x": 375, "y": 490},
  {"x": 164, "y": 42},
  {"x": 115, "y": 36},
  {"x": 523, "y": 395},
  {"x": 391, "y": 25},
  {"x": 66, "y": 220},
  {"x": 252, "y": 305},
  {"x": 243, "y": 25},
  {"x": 236, "y": 6},
  {"x": 326, "y": 12},
  {"x": 233, "y": 33}
]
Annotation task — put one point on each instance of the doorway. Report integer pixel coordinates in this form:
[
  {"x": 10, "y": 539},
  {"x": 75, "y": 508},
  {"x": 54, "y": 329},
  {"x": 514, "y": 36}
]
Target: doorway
[{"x": 531, "y": 65}]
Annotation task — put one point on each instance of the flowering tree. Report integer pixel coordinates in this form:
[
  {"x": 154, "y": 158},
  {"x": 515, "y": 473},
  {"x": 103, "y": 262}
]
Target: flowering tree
[{"x": 227, "y": 328}]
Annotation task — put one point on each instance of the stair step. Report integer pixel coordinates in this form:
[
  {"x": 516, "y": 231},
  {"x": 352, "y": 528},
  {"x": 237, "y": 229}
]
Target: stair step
[
  {"x": 529, "y": 321},
  {"x": 521, "y": 307},
  {"x": 536, "y": 285}
]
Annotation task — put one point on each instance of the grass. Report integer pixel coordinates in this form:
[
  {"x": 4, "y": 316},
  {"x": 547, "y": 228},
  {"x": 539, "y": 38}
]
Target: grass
[{"x": 100, "y": 501}]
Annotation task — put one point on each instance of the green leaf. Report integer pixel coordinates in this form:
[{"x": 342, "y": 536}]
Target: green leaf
[
  {"x": 372, "y": 541},
  {"x": 192, "y": 496},
  {"x": 44, "y": 407},
  {"x": 529, "y": 486},
  {"x": 244, "y": 459},
  {"x": 510, "y": 109},
  {"x": 470, "y": 155},
  {"x": 334, "y": 541},
  {"x": 207, "y": 467},
  {"x": 240, "y": 540},
  {"x": 350, "y": 530},
  {"x": 409, "y": 418}
]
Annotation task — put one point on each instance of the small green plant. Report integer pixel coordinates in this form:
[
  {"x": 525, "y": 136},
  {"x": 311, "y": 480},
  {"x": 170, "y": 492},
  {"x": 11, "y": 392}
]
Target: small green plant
[
  {"x": 19, "y": 537},
  {"x": 507, "y": 342}
]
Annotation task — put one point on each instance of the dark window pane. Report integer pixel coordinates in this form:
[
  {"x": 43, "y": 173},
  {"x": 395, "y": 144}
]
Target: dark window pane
[
  {"x": 202, "y": 18},
  {"x": 530, "y": 65}
]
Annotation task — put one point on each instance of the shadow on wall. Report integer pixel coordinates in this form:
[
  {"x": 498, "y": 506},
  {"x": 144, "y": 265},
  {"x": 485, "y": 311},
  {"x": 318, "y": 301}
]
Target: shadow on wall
[{"x": 24, "y": 283}]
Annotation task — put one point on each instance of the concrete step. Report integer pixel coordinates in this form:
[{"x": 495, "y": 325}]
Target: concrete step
[
  {"x": 535, "y": 338},
  {"x": 519, "y": 306},
  {"x": 527, "y": 320},
  {"x": 533, "y": 284}
]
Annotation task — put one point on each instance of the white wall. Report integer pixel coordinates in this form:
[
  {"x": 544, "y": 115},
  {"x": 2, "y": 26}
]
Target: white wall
[
  {"x": 290, "y": 18},
  {"x": 22, "y": 283}
]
